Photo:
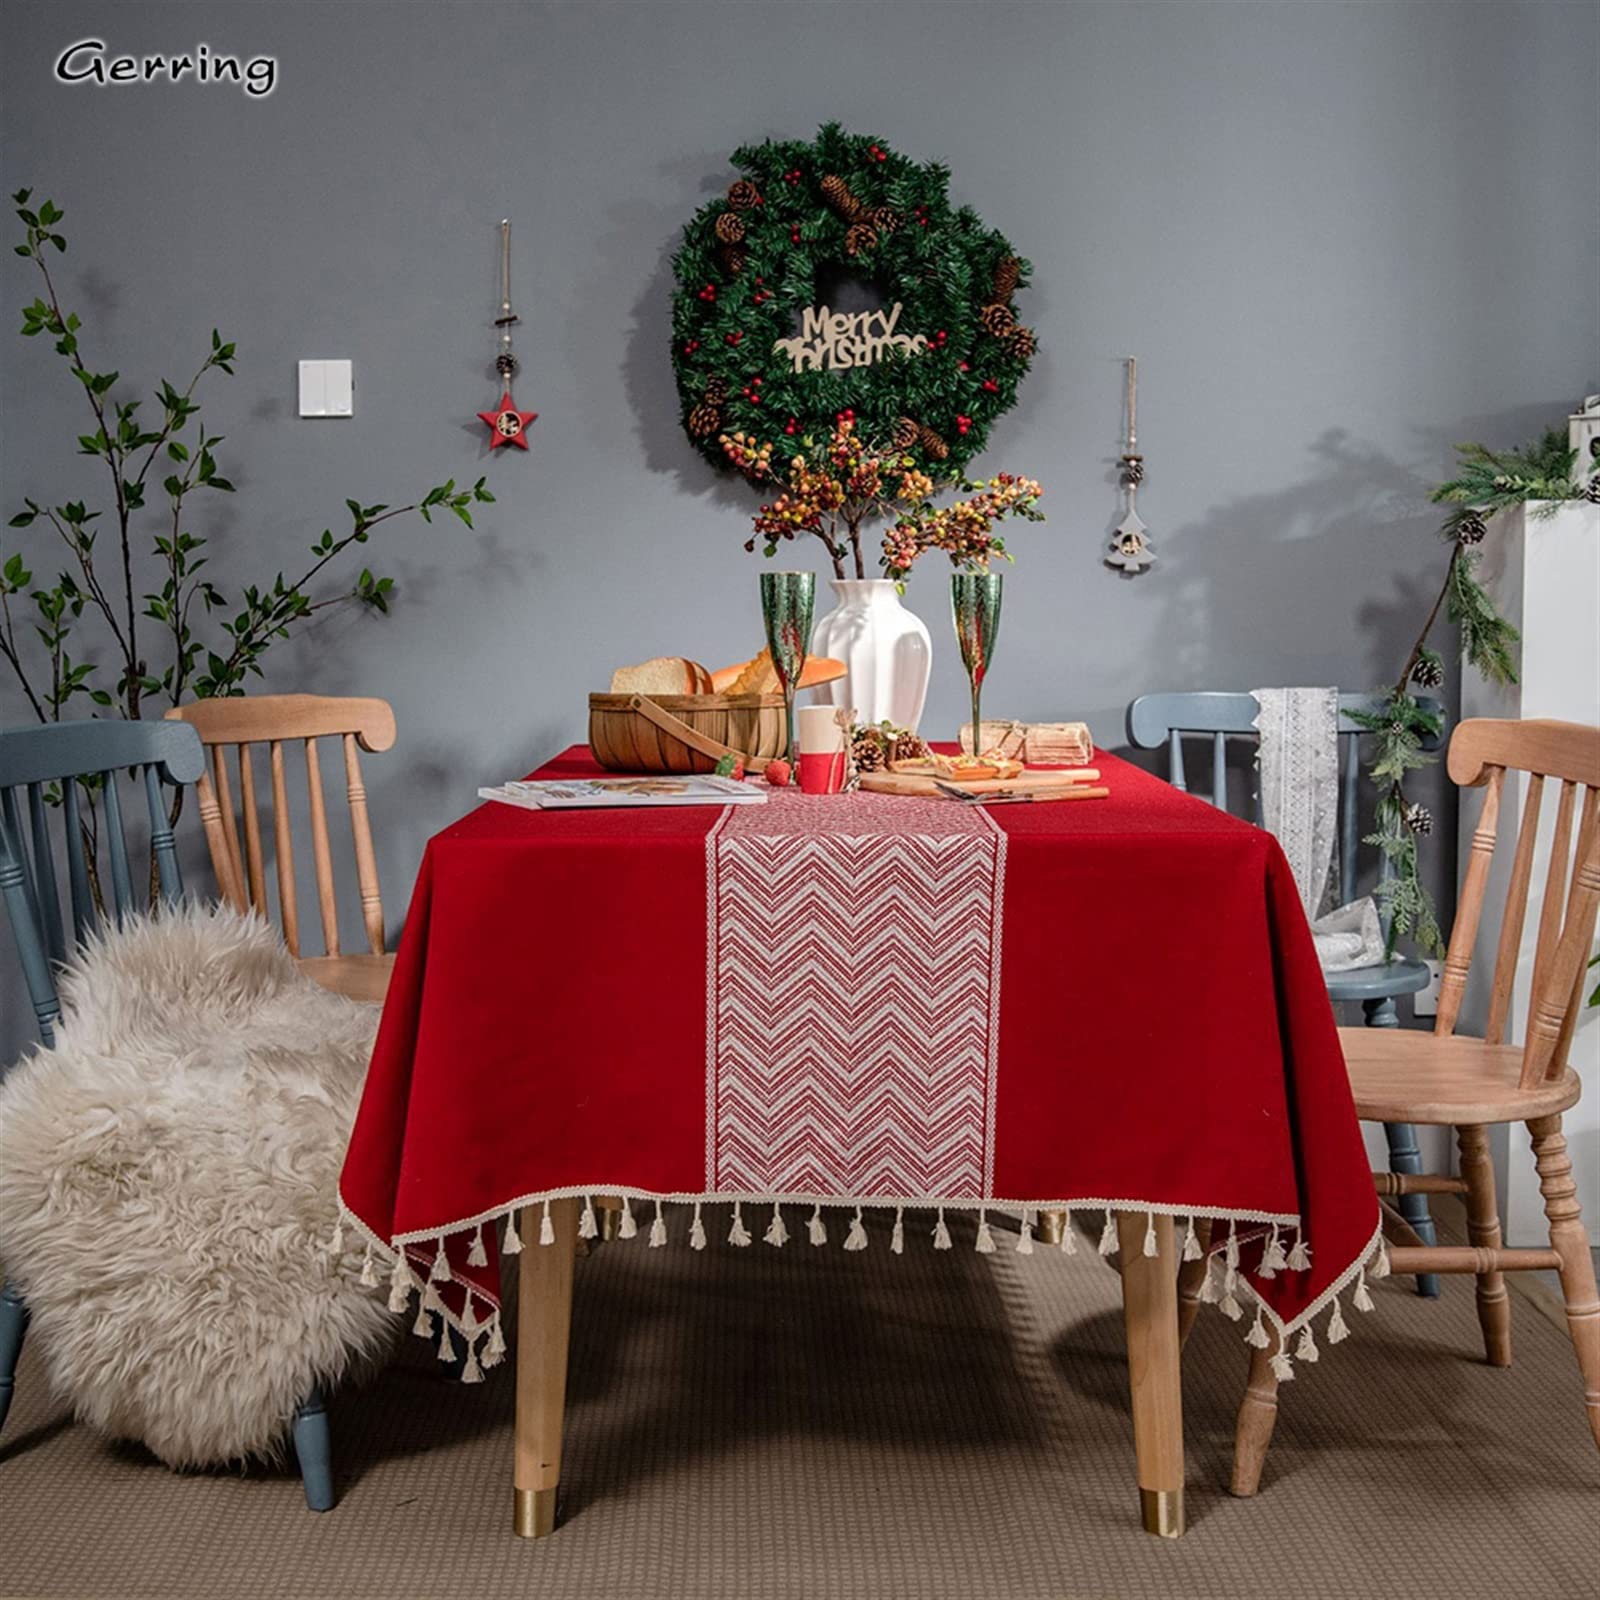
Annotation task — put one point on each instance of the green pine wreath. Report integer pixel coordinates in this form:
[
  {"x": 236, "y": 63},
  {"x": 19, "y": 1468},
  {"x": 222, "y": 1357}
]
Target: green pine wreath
[{"x": 748, "y": 268}]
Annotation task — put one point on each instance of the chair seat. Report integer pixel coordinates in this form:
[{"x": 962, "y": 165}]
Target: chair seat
[
  {"x": 1379, "y": 982},
  {"x": 363, "y": 977},
  {"x": 1401, "y": 1075}
]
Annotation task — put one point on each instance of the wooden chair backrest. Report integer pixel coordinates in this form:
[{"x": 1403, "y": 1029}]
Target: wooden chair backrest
[
  {"x": 276, "y": 720},
  {"x": 1481, "y": 753},
  {"x": 1166, "y": 719},
  {"x": 34, "y": 761}
]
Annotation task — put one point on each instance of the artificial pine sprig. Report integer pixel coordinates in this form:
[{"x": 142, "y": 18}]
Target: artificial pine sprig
[{"x": 1486, "y": 481}]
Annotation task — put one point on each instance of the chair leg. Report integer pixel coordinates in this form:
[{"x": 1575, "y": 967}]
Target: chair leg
[
  {"x": 1570, "y": 1240},
  {"x": 1258, "y": 1415},
  {"x": 1483, "y": 1230},
  {"x": 13, "y": 1325},
  {"x": 314, "y": 1447},
  {"x": 1404, "y": 1156},
  {"x": 1191, "y": 1274}
]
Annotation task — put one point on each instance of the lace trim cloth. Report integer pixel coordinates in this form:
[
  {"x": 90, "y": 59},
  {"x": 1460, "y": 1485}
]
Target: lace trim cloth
[{"x": 1298, "y": 758}]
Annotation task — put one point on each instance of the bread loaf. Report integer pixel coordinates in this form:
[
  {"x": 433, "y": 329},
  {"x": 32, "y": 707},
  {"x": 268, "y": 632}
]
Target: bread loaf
[
  {"x": 663, "y": 675},
  {"x": 759, "y": 676}
]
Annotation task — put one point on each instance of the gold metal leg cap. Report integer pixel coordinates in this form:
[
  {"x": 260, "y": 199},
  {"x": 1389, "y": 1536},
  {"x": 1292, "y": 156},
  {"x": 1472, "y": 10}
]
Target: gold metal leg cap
[
  {"x": 1162, "y": 1510},
  {"x": 535, "y": 1513},
  {"x": 1052, "y": 1224}
]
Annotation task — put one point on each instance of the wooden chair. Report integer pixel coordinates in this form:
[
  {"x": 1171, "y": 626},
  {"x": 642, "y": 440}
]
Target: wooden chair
[
  {"x": 34, "y": 761},
  {"x": 1471, "y": 1084},
  {"x": 274, "y": 720},
  {"x": 1155, "y": 720}
]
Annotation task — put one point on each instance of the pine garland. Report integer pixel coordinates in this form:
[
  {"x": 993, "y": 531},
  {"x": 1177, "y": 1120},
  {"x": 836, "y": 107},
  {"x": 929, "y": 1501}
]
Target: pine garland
[
  {"x": 847, "y": 203},
  {"x": 1486, "y": 481}
]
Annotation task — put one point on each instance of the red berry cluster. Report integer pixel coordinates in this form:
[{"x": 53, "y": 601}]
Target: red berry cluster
[
  {"x": 990, "y": 386},
  {"x": 794, "y": 234},
  {"x": 752, "y": 391},
  {"x": 793, "y": 177},
  {"x": 792, "y": 425},
  {"x": 876, "y": 153},
  {"x": 732, "y": 338},
  {"x": 939, "y": 340},
  {"x": 761, "y": 294},
  {"x": 690, "y": 348},
  {"x": 845, "y": 416},
  {"x": 709, "y": 292},
  {"x": 963, "y": 424},
  {"x": 921, "y": 214}
]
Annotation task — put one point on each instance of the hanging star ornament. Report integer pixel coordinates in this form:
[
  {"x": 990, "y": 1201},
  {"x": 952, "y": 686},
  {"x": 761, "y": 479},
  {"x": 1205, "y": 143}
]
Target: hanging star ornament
[{"x": 506, "y": 424}]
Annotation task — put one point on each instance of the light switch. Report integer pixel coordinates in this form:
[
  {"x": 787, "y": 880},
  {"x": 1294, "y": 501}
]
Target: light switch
[{"x": 327, "y": 389}]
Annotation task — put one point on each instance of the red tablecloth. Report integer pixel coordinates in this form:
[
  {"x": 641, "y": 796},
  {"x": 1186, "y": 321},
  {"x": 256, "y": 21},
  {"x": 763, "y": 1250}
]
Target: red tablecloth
[{"x": 1110, "y": 1004}]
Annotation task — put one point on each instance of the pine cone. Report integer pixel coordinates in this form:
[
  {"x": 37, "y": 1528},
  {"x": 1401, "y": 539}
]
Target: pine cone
[
  {"x": 907, "y": 747},
  {"x": 716, "y": 391},
  {"x": 932, "y": 445},
  {"x": 743, "y": 194},
  {"x": 885, "y": 219},
  {"x": 998, "y": 319},
  {"x": 1591, "y": 490},
  {"x": 860, "y": 236},
  {"x": 906, "y": 430},
  {"x": 1133, "y": 469},
  {"x": 704, "y": 420},
  {"x": 867, "y": 752},
  {"x": 1023, "y": 343},
  {"x": 837, "y": 193},
  {"x": 1427, "y": 673},
  {"x": 1419, "y": 819},
  {"x": 1471, "y": 527},
  {"x": 506, "y": 364},
  {"x": 734, "y": 257},
  {"x": 730, "y": 227},
  {"x": 1006, "y": 276}
]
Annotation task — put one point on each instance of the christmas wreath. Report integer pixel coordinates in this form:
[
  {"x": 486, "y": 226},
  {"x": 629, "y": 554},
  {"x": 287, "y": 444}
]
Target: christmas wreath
[{"x": 754, "y": 351}]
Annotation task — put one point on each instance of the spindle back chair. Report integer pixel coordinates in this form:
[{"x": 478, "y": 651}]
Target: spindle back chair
[
  {"x": 42, "y": 765},
  {"x": 242, "y": 723},
  {"x": 1472, "y": 1084},
  {"x": 1155, "y": 720}
]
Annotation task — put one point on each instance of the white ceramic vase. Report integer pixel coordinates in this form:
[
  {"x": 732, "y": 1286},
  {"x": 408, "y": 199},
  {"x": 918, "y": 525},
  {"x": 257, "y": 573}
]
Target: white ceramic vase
[{"x": 886, "y": 649}]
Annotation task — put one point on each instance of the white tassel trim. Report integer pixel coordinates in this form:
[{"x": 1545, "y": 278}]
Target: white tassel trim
[
  {"x": 439, "y": 1272},
  {"x": 1025, "y": 1237},
  {"x": 1282, "y": 1367},
  {"x": 628, "y": 1227},
  {"x": 738, "y": 1234},
  {"x": 472, "y": 1372},
  {"x": 547, "y": 1228},
  {"x": 941, "y": 1233},
  {"x": 816, "y": 1228},
  {"x": 1381, "y": 1268},
  {"x": 1151, "y": 1246},
  {"x": 897, "y": 1239},
  {"x": 1231, "y": 1256},
  {"x": 984, "y": 1243},
  {"x": 1338, "y": 1328},
  {"x": 777, "y": 1233},
  {"x": 1069, "y": 1245},
  {"x": 856, "y": 1239},
  {"x": 588, "y": 1228},
  {"x": 369, "y": 1271},
  {"x": 511, "y": 1245},
  {"x": 1273, "y": 1260},
  {"x": 423, "y": 1326},
  {"x": 697, "y": 1230},
  {"x": 336, "y": 1243},
  {"x": 658, "y": 1229},
  {"x": 1362, "y": 1298},
  {"x": 1307, "y": 1350},
  {"x": 1258, "y": 1336},
  {"x": 400, "y": 1282},
  {"x": 1300, "y": 1255},
  {"x": 1191, "y": 1244},
  {"x": 494, "y": 1352},
  {"x": 445, "y": 1352},
  {"x": 477, "y": 1256},
  {"x": 1108, "y": 1235}
]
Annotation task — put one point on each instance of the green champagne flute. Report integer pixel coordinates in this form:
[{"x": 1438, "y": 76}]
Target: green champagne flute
[
  {"x": 975, "y": 603},
  {"x": 787, "y": 601}
]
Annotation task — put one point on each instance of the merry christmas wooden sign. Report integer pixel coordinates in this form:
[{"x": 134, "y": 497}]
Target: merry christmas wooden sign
[{"x": 831, "y": 339}]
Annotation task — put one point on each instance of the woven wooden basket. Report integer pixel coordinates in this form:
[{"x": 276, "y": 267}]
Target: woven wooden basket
[{"x": 685, "y": 732}]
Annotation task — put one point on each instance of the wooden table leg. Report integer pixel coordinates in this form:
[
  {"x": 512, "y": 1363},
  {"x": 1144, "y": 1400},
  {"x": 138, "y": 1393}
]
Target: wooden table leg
[
  {"x": 544, "y": 1326},
  {"x": 1150, "y": 1314}
]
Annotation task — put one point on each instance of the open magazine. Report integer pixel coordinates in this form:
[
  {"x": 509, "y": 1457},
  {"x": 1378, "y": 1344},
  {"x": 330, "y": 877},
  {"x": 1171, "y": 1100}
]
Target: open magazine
[{"x": 561, "y": 794}]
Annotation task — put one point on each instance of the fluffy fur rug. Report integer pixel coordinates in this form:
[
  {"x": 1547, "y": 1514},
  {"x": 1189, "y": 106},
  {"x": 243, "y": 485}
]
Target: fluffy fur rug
[{"x": 168, "y": 1186}]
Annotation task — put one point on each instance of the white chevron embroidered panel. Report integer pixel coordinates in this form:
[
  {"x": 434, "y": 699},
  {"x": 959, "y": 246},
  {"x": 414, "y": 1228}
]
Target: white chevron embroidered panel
[{"x": 855, "y": 998}]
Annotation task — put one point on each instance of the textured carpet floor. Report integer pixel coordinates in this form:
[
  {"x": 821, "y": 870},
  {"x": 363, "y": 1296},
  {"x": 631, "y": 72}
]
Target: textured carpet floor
[{"x": 769, "y": 1425}]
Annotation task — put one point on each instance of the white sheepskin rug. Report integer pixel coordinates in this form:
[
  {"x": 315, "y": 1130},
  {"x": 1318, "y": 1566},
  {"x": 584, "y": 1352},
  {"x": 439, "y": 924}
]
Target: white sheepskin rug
[{"x": 168, "y": 1184}]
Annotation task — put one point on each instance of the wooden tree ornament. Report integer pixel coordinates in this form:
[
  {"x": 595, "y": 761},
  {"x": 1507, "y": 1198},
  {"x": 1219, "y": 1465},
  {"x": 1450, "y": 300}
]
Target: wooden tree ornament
[{"x": 1129, "y": 550}]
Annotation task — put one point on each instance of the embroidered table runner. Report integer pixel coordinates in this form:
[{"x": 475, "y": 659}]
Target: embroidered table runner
[{"x": 865, "y": 1001}]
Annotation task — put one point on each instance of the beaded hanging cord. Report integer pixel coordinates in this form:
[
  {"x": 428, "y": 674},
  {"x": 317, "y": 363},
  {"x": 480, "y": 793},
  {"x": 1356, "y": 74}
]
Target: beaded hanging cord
[{"x": 507, "y": 425}]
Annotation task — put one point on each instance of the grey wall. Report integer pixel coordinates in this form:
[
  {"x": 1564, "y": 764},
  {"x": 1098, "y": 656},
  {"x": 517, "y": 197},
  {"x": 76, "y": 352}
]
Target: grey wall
[{"x": 1338, "y": 236}]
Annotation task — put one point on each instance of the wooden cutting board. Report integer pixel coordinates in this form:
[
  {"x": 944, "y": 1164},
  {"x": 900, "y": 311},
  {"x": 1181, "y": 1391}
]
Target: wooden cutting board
[{"x": 1064, "y": 783}]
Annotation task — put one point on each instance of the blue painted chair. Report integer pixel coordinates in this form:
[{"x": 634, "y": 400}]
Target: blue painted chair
[
  {"x": 1155, "y": 720},
  {"x": 34, "y": 761}
]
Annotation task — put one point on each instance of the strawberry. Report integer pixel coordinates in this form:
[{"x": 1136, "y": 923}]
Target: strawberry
[{"x": 778, "y": 773}]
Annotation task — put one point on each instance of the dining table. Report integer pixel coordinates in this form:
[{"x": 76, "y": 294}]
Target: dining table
[{"x": 844, "y": 1021}]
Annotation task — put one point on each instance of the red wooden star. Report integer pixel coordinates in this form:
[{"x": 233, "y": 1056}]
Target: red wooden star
[{"x": 506, "y": 424}]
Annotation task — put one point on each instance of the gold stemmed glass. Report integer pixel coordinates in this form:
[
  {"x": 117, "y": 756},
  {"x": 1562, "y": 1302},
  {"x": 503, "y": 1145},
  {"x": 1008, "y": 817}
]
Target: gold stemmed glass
[
  {"x": 975, "y": 603},
  {"x": 787, "y": 601}
]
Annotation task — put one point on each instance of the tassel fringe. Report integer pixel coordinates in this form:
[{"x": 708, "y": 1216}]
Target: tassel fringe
[
  {"x": 1191, "y": 1244},
  {"x": 738, "y": 1234},
  {"x": 511, "y": 1244},
  {"x": 658, "y": 1229},
  {"x": 1151, "y": 1247},
  {"x": 856, "y": 1239},
  {"x": 697, "y": 1230},
  {"x": 628, "y": 1228},
  {"x": 1307, "y": 1350},
  {"x": 1273, "y": 1260},
  {"x": 816, "y": 1228},
  {"x": 1258, "y": 1336},
  {"x": 1282, "y": 1367},
  {"x": 369, "y": 1271},
  {"x": 1362, "y": 1298},
  {"x": 1338, "y": 1328},
  {"x": 777, "y": 1233},
  {"x": 400, "y": 1283},
  {"x": 1025, "y": 1238},
  {"x": 1108, "y": 1235},
  {"x": 477, "y": 1256},
  {"x": 1300, "y": 1255},
  {"x": 1069, "y": 1245},
  {"x": 1381, "y": 1268},
  {"x": 439, "y": 1272},
  {"x": 588, "y": 1228},
  {"x": 547, "y": 1228},
  {"x": 897, "y": 1239},
  {"x": 941, "y": 1233},
  {"x": 984, "y": 1244}
]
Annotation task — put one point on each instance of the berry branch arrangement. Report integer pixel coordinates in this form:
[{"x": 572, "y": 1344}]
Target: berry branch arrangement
[{"x": 1486, "y": 481}]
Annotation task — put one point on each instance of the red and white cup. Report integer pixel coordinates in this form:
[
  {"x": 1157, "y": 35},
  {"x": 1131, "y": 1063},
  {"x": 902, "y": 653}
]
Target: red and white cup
[{"x": 822, "y": 752}]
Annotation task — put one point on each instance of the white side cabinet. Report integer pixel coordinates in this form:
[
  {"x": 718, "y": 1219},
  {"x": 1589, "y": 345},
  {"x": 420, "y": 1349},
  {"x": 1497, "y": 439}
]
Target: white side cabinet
[{"x": 1544, "y": 573}]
